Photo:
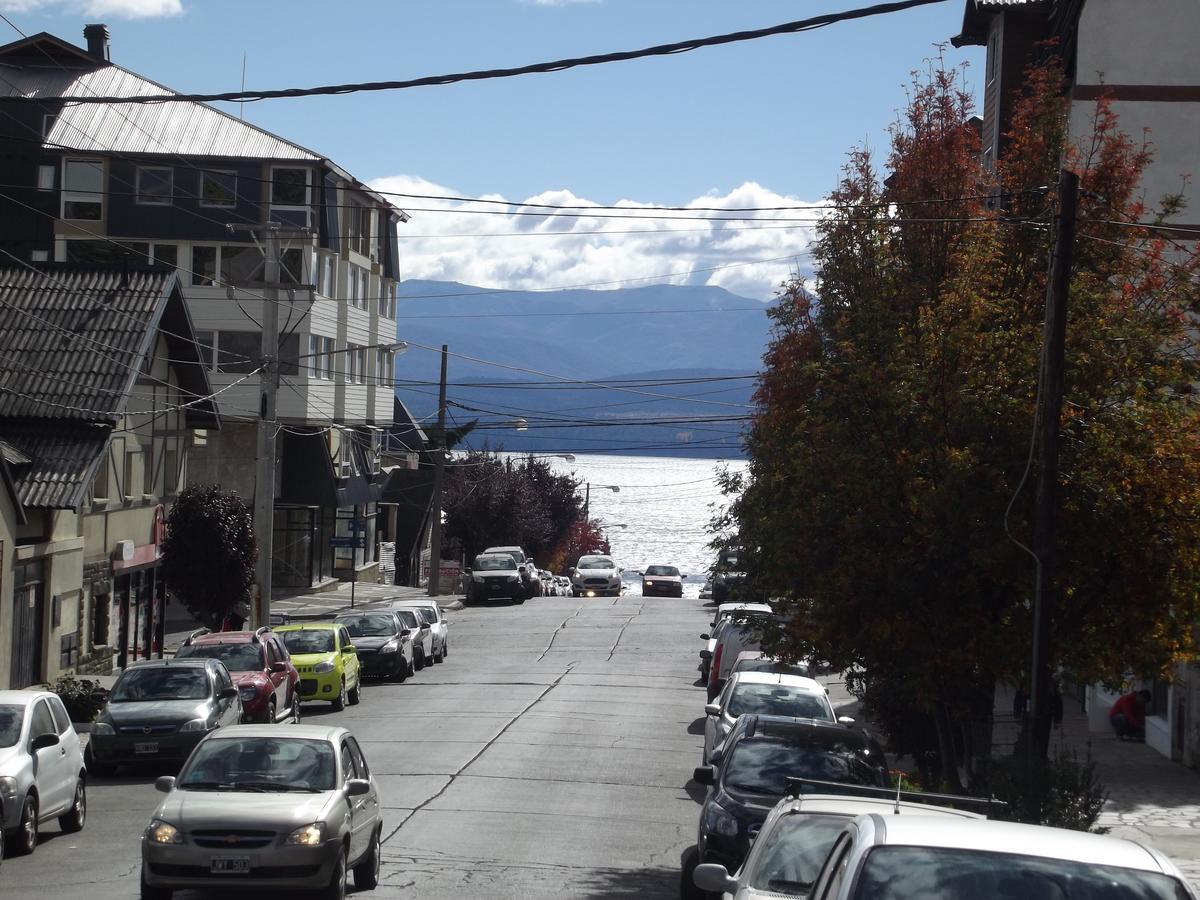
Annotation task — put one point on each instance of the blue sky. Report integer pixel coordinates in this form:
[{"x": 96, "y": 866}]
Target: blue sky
[{"x": 758, "y": 123}]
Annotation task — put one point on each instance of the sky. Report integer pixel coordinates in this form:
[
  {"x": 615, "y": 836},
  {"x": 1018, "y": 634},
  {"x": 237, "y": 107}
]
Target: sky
[{"x": 763, "y": 123}]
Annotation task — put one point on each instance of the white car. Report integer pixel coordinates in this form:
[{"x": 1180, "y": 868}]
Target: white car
[
  {"x": 737, "y": 632},
  {"x": 766, "y": 693},
  {"x": 797, "y": 836},
  {"x": 881, "y": 856},
  {"x": 439, "y": 635},
  {"x": 724, "y": 611},
  {"x": 42, "y": 775},
  {"x": 596, "y": 576}
]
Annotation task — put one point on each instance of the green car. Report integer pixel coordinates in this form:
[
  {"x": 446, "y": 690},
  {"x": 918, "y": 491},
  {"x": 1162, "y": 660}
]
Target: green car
[{"x": 326, "y": 660}]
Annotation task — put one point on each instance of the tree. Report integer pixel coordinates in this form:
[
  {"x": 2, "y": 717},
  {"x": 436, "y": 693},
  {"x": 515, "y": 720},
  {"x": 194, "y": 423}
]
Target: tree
[
  {"x": 209, "y": 552},
  {"x": 584, "y": 537},
  {"x": 890, "y": 450}
]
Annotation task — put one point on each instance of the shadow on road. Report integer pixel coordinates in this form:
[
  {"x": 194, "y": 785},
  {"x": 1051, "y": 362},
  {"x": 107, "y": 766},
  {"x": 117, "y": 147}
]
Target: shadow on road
[
  {"x": 657, "y": 882},
  {"x": 696, "y": 791},
  {"x": 697, "y": 727}
]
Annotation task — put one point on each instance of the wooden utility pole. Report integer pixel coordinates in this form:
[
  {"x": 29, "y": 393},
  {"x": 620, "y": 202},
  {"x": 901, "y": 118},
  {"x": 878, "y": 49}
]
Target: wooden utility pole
[{"x": 439, "y": 467}]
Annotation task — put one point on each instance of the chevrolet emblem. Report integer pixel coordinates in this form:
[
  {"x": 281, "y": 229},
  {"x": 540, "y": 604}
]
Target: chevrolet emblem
[
  {"x": 146, "y": 729},
  {"x": 231, "y": 838}
]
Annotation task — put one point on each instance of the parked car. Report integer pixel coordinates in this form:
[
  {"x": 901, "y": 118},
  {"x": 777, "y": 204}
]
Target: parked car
[
  {"x": 160, "y": 709},
  {"x": 42, "y": 774},
  {"x": 525, "y": 568},
  {"x": 727, "y": 574},
  {"x": 496, "y": 575},
  {"x": 327, "y": 662},
  {"x": 432, "y": 616},
  {"x": 596, "y": 576},
  {"x": 757, "y": 661},
  {"x": 923, "y": 856},
  {"x": 662, "y": 581},
  {"x": 564, "y": 585},
  {"x": 751, "y": 771},
  {"x": 267, "y": 810},
  {"x": 800, "y": 830},
  {"x": 383, "y": 642},
  {"x": 549, "y": 588},
  {"x": 261, "y": 668},
  {"x": 740, "y": 632},
  {"x": 706, "y": 592},
  {"x": 724, "y": 611},
  {"x": 764, "y": 693}
]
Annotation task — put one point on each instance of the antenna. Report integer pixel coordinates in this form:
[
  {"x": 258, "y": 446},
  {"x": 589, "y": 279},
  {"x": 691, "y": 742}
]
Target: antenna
[
  {"x": 899, "y": 781},
  {"x": 242, "y": 104}
]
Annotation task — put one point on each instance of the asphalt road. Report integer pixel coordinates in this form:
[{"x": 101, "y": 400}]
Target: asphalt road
[{"x": 549, "y": 756}]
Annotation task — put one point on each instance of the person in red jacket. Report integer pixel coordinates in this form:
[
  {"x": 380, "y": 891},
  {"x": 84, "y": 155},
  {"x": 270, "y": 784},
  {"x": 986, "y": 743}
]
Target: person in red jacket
[{"x": 1128, "y": 715}]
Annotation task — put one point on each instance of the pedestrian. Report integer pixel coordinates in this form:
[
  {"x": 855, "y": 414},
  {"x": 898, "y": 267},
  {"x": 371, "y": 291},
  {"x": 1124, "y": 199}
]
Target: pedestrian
[{"x": 1128, "y": 715}]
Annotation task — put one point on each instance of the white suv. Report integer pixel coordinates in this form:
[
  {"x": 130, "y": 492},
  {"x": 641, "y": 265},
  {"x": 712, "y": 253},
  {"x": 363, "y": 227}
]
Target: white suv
[{"x": 529, "y": 574}]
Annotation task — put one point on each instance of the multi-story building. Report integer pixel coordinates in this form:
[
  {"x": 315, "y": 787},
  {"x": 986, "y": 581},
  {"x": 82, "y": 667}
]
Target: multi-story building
[{"x": 184, "y": 184}]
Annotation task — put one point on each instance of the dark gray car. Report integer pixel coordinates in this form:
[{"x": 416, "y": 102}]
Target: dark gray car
[{"x": 160, "y": 709}]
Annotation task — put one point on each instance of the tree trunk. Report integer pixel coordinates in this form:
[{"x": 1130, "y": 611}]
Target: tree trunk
[{"x": 947, "y": 750}]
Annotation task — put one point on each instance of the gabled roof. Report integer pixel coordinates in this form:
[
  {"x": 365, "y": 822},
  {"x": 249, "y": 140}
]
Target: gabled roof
[
  {"x": 405, "y": 435},
  {"x": 63, "y": 457},
  {"x": 978, "y": 13}
]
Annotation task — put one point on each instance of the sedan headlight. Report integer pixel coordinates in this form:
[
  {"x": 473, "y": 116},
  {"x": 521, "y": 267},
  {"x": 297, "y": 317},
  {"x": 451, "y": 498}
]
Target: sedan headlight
[
  {"x": 322, "y": 667},
  {"x": 8, "y": 789},
  {"x": 478, "y": 579},
  {"x": 391, "y": 646},
  {"x": 648, "y": 583},
  {"x": 161, "y": 832},
  {"x": 194, "y": 725},
  {"x": 717, "y": 820},
  {"x": 307, "y": 835},
  {"x": 102, "y": 728}
]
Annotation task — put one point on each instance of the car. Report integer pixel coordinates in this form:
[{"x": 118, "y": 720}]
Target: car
[
  {"x": 882, "y": 856},
  {"x": 261, "y": 668},
  {"x": 596, "y": 576},
  {"x": 327, "y": 662},
  {"x": 750, "y": 771},
  {"x": 757, "y": 661},
  {"x": 706, "y": 592},
  {"x": 160, "y": 709},
  {"x": 564, "y": 585},
  {"x": 741, "y": 631},
  {"x": 269, "y": 810},
  {"x": 549, "y": 588},
  {"x": 525, "y": 568},
  {"x": 439, "y": 631},
  {"x": 727, "y": 574},
  {"x": 662, "y": 581},
  {"x": 383, "y": 642},
  {"x": 42, "y": 772},
  {"x": 496, "y": 575},
  {"x": 422, "y": 636},
  {"x": 799, "y": 831},
  {"x": 768, "y": 693},
  {"x": 724, "y": 611}
]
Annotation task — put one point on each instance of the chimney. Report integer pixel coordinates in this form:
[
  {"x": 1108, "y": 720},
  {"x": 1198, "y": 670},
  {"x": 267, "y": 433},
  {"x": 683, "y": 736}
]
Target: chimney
[{"x": 97, "y": 41}]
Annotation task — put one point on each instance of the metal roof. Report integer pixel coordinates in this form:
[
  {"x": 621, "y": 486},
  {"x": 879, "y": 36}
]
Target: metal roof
[
  {"x": 63, "y": 458},
  {"x": 977, "y": 13}
]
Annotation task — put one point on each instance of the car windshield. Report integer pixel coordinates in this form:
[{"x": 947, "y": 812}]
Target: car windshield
[
  {"x": 766, "y": 664},
  {"x": 952, "y": 873},
  {"x": 518, "y": 556},
  {"x": 429, "y": 616},
  {"x": 777, "y": 700},
  {"x": 408, "y": 617},
  {"x": 260, "y": 764},
  {"x": 763, "y": 766},
  {"x": 663, "y": 571},
  {"x": 368, "y": 626},
  {"x": 793, "y": 852},
  {"x": 237, "y": 657},
  {"x": 11, "y": 717},
  {"x": 497, "y": 563},
  {"x": 162, "y": 683},
  {"x": 596, "y": 562},
  {"x": 308, "y": 641}
]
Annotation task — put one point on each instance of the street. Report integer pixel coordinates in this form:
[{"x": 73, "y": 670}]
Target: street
[{"x": 549, "y": 756}]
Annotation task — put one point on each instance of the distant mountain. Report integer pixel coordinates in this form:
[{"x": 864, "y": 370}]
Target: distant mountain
[{"x": 605, "y": 336}]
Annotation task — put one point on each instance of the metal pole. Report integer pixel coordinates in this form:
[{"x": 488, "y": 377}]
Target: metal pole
[
  {"x": 264, "y": 480},
  {"x": 1050, "y": 418},
  {"x": 439, "y": 466},
  {"x": 587, "y": 500}
]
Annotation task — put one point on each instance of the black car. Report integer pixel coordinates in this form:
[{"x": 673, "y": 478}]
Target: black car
[
  {"x": 727, "y": 574},
  {"x": 383, "y": 641},
  {"x": 751, "y": 771}
]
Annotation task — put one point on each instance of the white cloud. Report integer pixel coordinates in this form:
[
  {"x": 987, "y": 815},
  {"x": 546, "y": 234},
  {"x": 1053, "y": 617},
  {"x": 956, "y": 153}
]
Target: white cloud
[
  {"x": 120, "y": 9},
  {"x": 502, "y": 250}
]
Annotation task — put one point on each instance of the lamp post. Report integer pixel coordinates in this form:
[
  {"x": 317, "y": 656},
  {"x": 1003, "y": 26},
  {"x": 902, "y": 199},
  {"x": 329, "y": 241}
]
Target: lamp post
[{"x": 587, "y": 495}]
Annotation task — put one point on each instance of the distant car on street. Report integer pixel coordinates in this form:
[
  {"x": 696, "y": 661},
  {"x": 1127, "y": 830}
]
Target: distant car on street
[
  {"x": 496, "y": 575},
  {"x": 724, "y": 611},
  {"x": 764, "y": 693},
  {"x": 432, "y": 616},
  {"x": 727, "y": 574},
  {"x": 706, "y": 592},
  {"x": 261, "y": 667},
  {"x": 383, "y": 642},
  {"x": 662, "y": 581},
  {"x": 757, "y": 661},
  {"x": 596, "y": 576},
  {"x": 549, "y": 588},
  {"x": 526, "y": 568},
  {"x": 273, "y": 811},
  {"x": 741, "y": 631},
  {"x": 564, "y": 585}
]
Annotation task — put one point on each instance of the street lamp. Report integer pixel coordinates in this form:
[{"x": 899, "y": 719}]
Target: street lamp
[{"x": 587, "y": 496}]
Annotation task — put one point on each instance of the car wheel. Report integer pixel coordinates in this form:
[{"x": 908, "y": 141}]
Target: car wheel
[
  {"x": 153, "y": 892},
  {"x": 271, "y": 712},
  {"x": 399, "y": 670},
  {"x": 295, "y": 709},
  {"x": 339, "y": 702},
  {"x": 412, "y": 668},
  {"x": 366, "y": 873},
  {"x": 439, "y": 656},
  {"x": 419, "y": 659},
  {"x": 355, "y": 693},
  {"x": 445, "y": 650},
  {"x": 72, "y": 820},
  {"x": 336, "y": 889},
  {"x": 26, "y": 838}
]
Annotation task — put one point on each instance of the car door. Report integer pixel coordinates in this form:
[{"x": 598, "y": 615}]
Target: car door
[
  {"x": 349, "y": 657},
  {"x": 360, "y": 815},
  {"x": 833, "y": 872},
  {"x": 371, "y": 806},
  {"x": 68, "y": 736},
  {"x": 710, "y": 722},
  {"x": 55, "y": 782},
  {"x": 279, "y": 679},
  {"x": 229, "y": 709}
]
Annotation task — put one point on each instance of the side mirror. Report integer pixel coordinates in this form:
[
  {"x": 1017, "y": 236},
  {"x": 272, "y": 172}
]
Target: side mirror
[
  {"x": 714, "y": 878},
  {"x": 227, "y": 693},
  {"x": 405, "y": 632},
  {"x": 356, "y": 787},
  {"x": 712, "y": 709},
  {"x": 349, "y": 648},
  {"x": 846, "y": 720},
  {"x": 704, "y": 775},
  {"x": 49, "y": 739},
  {"x": 164, "y": 784},
  {"x": 278, "y": 667},
  {"x": 704, "y": 654},
  {"x": 705, "y": 637}
]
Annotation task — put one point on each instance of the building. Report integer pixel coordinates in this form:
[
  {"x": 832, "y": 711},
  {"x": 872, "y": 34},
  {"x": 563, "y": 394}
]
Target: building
[
  {"x": 1142, "y": 56},
  {"x": 102, "y": 388},
  {"x": 162, "y": 183}
]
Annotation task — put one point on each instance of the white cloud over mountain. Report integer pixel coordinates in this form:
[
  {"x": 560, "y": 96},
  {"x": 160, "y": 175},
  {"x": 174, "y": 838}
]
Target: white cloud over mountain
[
  {"x": 496, "y": 245},
  {"x": 120, "y": 9}
]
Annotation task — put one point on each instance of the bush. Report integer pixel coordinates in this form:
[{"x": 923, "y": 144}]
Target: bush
[
  {"x": 82, "y": 697},
  {"x": 1070, "y": 796}
]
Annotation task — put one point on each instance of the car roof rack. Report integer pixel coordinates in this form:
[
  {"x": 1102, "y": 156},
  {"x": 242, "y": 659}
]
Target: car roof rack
[
  {"x": 195, "y": 634},
  {"x": 799, "y": 787}
]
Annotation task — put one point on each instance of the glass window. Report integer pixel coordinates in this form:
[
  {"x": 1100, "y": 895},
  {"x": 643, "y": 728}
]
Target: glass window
[
  {"x": 344, "y": 638},
  {"x": 354, "y": 373},
  {"x": 364, "y": 292},
  {"x": 49, "y": 120},
  {"x": 275, "y": 763},
  {"x": 46, "y": 178},
  {"x": 240, "y": 657},
  {"x": 409, "y": 618},
  {"x": 41, "y": 722},
  {"x": 161, "y": 683},
  {"x": 368, "y": 625},
  {"x": 308, "y": 641},
  {"x": 166, "y": 255},
  {"x": 360, "y": 761},
  {"x": 241, "y": 263},
  {"x": 349, "y": 769},
  {"x": 238, "y": 352},
  {"x": 204, "y": 265},
  {"x": 794, "y": 851},
  {"x": 61, "y": 720},
  {"x": 218, "y": 188},
  {"x": 107, "y": 253},
  {"x": 12, "y": 717},
  {"x": 83, "y": 189},
  {"x": 354, "y": 285},
  {"x": 314, "y": 356},
  {"x": 292, "y": 266},
  {"x": 289, "y": 187},
  {"x": 777, "y": 700},
  {"x": 328, "y": 274},
  {"x": 762, "y": 766},
  {"x": 155, "y": 186}
]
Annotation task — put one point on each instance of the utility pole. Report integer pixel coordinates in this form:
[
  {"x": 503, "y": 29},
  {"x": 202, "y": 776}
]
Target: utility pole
[
  {"x": 587, "y": 501},
  {"x": 439, "y": 467},
  {"x": 264, "y": 476},
  {"x": 1045, "y": 526}
]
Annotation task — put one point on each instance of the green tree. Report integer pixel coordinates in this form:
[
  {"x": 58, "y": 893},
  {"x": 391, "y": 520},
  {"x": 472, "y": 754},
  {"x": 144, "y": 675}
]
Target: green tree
[
  {"x": 888, "y": 494},
  {"x": 210, "y": 551}
]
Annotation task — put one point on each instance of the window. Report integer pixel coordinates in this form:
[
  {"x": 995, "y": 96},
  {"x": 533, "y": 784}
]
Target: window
[
  {"x": 133, "y": 469},
  {"x": 240, "y": 263},
  {"x": 364, "y": 292},
  {"x": 358, "y": 228},
  {"x": 166, "y": 255},
  {"x": 353, "y": 285},
  {"x": 39, "y": 255},
  {"x": 41, "y": 722},
  {"x": 62, "y": 722},
  {"x": 348, "y": 769},
  {"x": 155, "y": 186},
  {"x": 83, "y": 189},
  {"x": 100, "y": 619},
  {"x": 356, "y": 364},
  {"x": 170, "y": 473},
  {"x": 204, "y": 266},
  {"x": 108, "y": 253},
  {"x": 387, "y": 299},
  {"x": 290, "y": 197},
  {"x": 385, "y": 364},
  {"x": 49, "y": 120},
  {"x": 218, "y": 188},
  {"x": 359, "y": 760},
  {"x": 46, "y": 178},
  {"x": 328, "y": 274},
  {"x": 148, "y": 469},
  {"x": 320, "y": 360},
  {"x": 292, "y": 266},
  {"x": 239, "y": 352}
]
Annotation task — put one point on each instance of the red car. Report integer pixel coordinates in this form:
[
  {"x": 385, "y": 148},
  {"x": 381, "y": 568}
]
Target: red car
[{"x": 261, "y": 668}]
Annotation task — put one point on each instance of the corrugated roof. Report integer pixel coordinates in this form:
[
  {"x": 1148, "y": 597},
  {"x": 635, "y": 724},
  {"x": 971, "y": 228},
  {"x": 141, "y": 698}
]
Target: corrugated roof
[
  {"x": 977, "y": 13},
  {"x": 63, "y": 458},
  {"x": 189, "y": 129}
]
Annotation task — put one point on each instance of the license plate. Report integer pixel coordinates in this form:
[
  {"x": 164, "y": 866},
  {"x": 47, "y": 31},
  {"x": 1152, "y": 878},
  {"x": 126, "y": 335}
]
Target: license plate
[
  {"x": 229, "y": 865},
  {"x": 146, "y": 747}
]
